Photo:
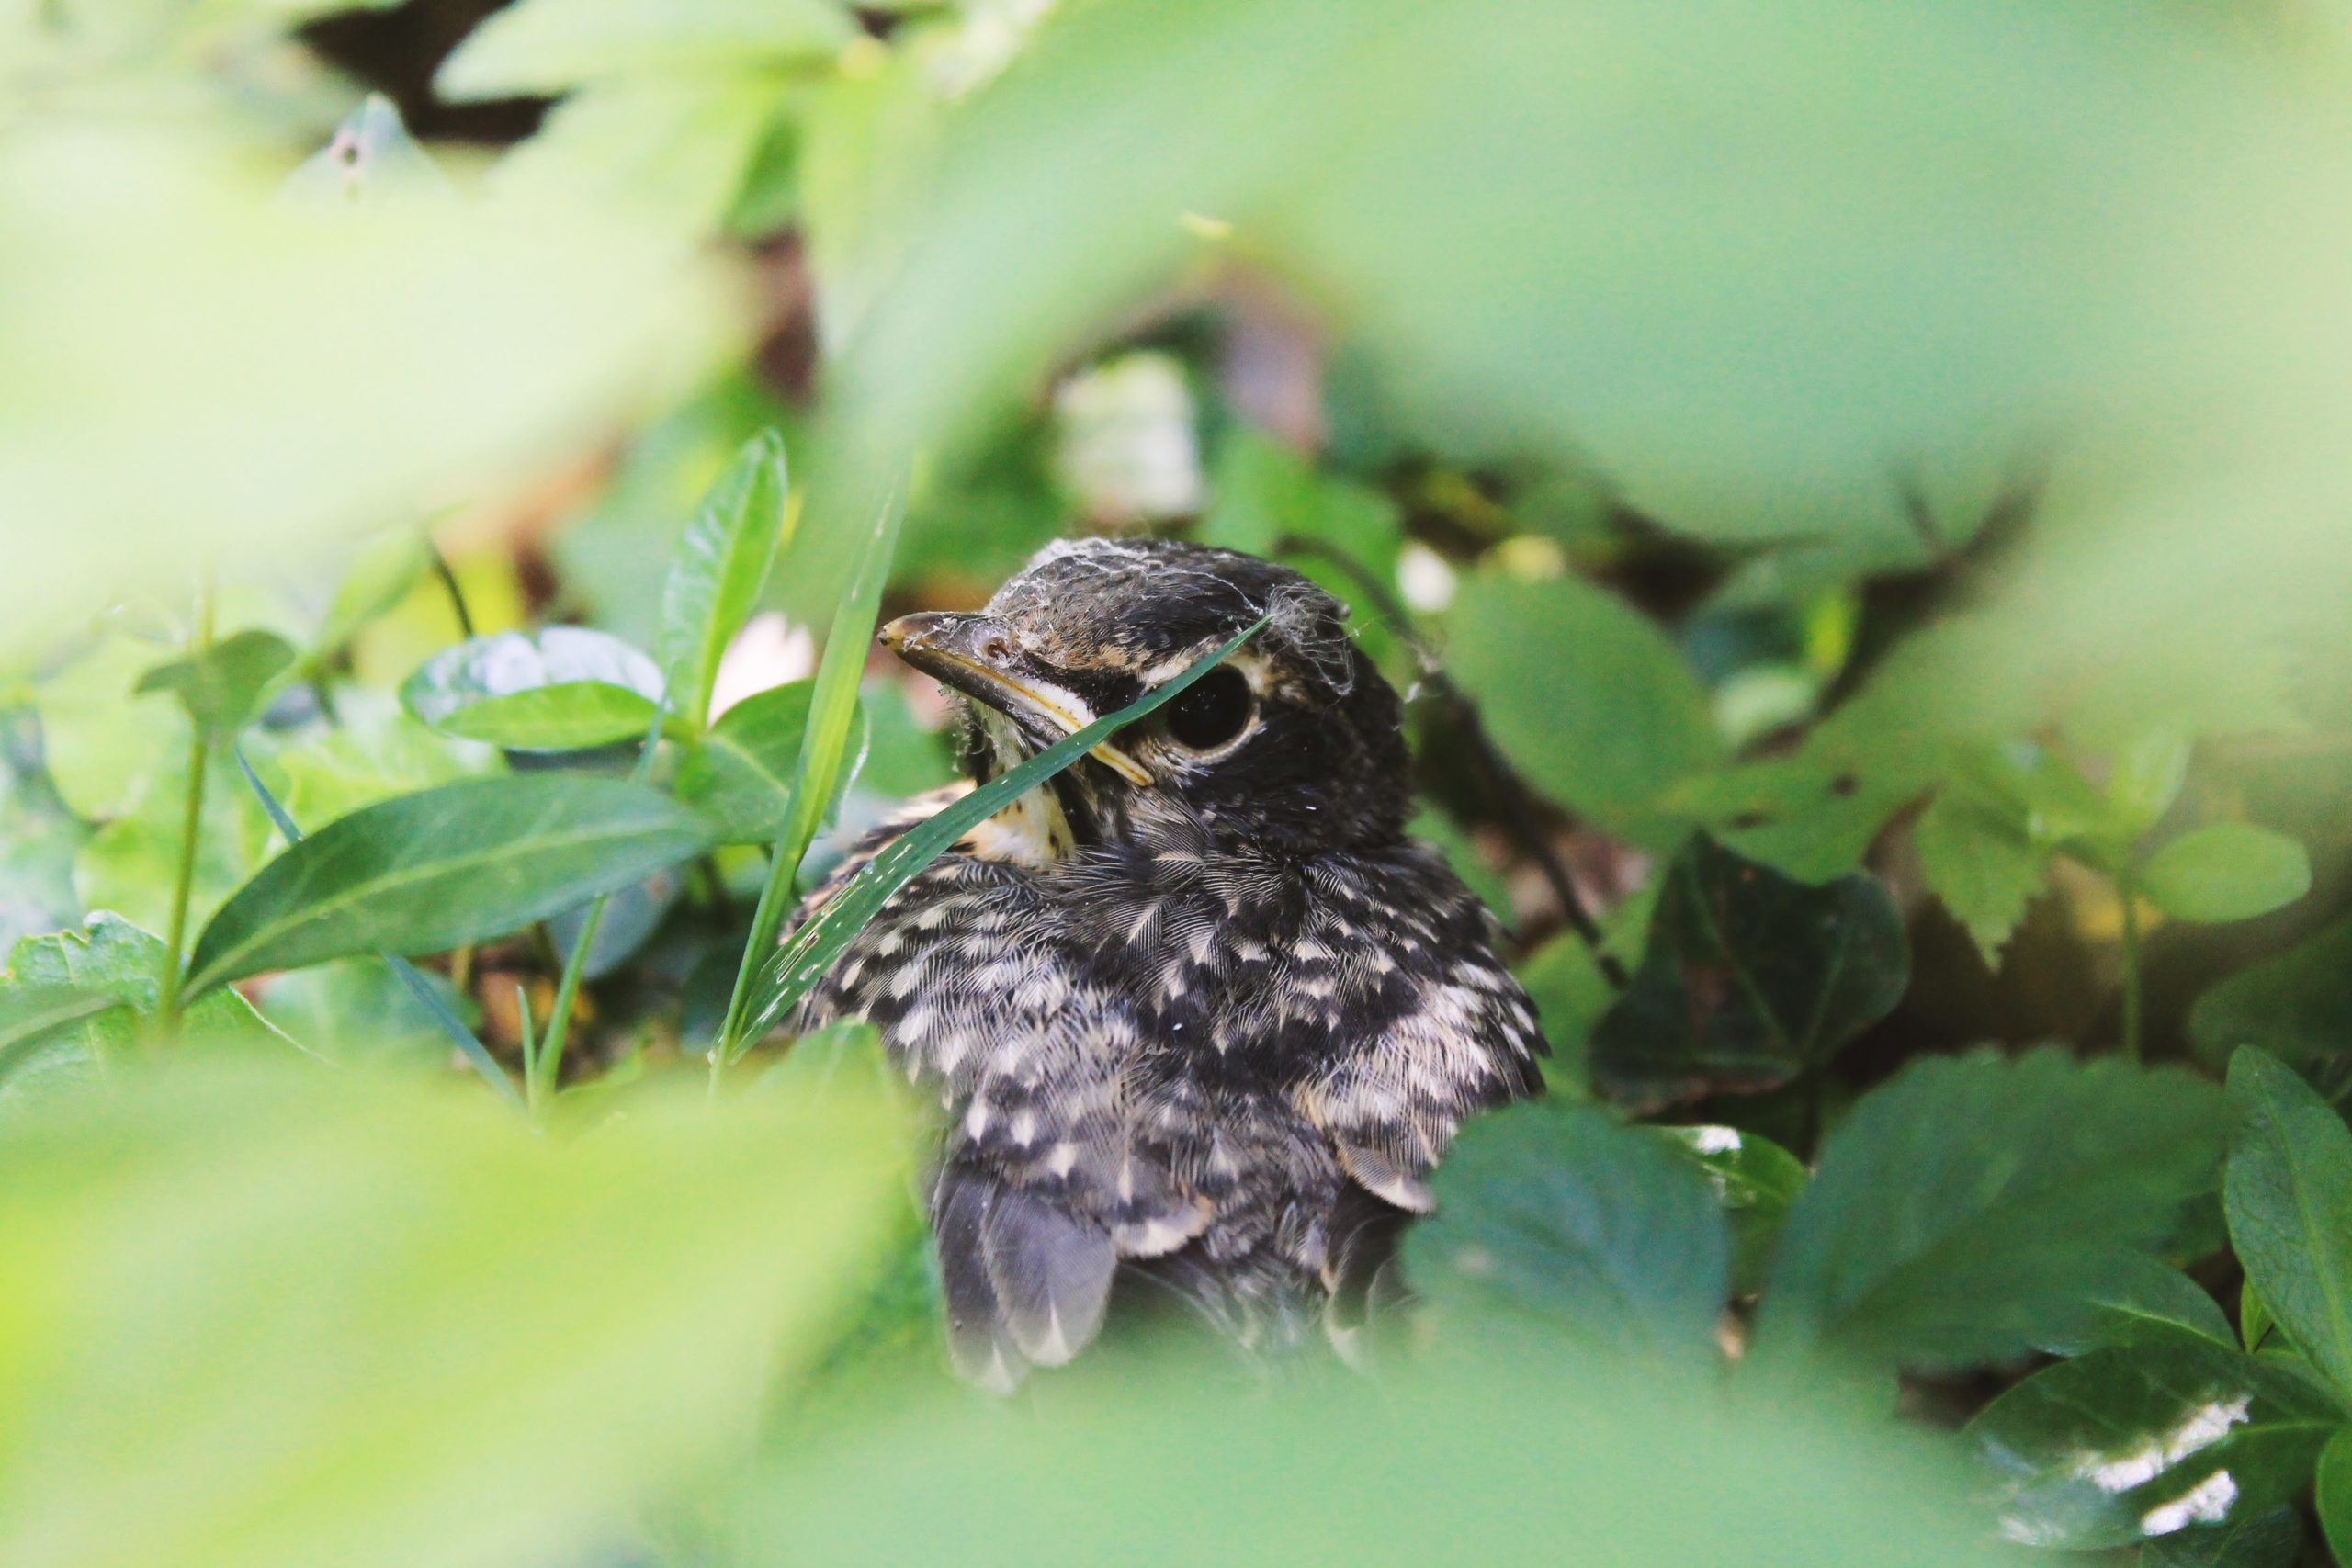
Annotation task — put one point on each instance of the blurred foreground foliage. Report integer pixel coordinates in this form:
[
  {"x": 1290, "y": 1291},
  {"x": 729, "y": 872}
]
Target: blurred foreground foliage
[{"x": 1854, "y": 494}]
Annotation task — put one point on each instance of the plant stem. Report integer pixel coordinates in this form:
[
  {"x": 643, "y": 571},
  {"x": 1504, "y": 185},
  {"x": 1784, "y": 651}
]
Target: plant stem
[
  {"x": 167, "y": 1005},
  {"x": 2127, "y": 886},
  {"x": 450, "y": 586}
]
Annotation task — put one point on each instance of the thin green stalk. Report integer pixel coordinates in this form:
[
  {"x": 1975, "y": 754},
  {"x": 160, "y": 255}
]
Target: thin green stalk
[
  {"x": 2127, "y": 888},
  {"x": 832, "y": 707},
  {"x": 530, "y": 1046},
  {"x": 540, "y": 1078},
  {"x": 167, "y": 1006},
  {"x": 450, "y": 586}
]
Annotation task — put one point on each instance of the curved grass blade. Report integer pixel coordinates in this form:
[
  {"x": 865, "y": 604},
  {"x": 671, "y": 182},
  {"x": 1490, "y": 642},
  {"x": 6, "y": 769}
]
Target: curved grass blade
[
  {"x": 815, "y": 946},
  {"x": 468, "y": 1043},
  {"x": 425, "y": 872},
  {"x": 824, "y": 745}
]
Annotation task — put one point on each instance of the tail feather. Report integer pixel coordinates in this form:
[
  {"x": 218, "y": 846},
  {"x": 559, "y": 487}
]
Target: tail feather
[{"x": 982, "y": 1351}]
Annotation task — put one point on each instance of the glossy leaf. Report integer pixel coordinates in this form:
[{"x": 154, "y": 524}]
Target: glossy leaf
[
  {"x": 1964, "y": 1209},
  {"x": 2295, "y": 1005},
  {"x": 2146, "y": 1440},
  {"x": 222, "y": 687},
  {"x": 1555, "y": 1212},
  {"x": 1585, "y": 694},
  {"x": 2288, "y": 1188},
  {"x": 789, "y": 976},
  {"x": 561, "y": 689},
  {"x": 1755, "y": 1181},
  {"x": 1749, "y": 979},
  {"x": 2332, "y": 1495},
  {"x": 2140, "y": 1302},
  {"x": 2230, "y": 870},
  {"x": 2274, "y": 1539},
  {"x": 716, "y": 569},
  {"x": 458, "y": 863},
  {"x": 432, "y": 1295},
  {"x": 741, "y": 773}
]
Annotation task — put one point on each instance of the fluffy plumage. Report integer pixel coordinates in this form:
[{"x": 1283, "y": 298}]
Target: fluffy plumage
[{"x": 1199, "y": 1008}]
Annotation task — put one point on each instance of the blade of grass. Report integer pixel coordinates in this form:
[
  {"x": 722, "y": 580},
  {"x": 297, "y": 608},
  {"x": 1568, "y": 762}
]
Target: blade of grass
[
  {"x": 548, "y": 1058},
  {"x": 815, "y": 946},
  {"x": 823, "y": 744},
  {"x": 167, "y": 1007},
  {"x": 477, "y": 1055}
]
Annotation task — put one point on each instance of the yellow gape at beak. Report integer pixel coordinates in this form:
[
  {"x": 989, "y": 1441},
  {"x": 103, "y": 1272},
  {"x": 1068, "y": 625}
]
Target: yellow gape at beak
[{"x": 979, "y": 657}]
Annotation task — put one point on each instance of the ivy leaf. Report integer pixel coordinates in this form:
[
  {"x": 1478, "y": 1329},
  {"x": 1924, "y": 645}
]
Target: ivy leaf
[
  {"x": 562, "y": 689},
  {"x": 1555, "y": 1212},
  {"x": 1969, "y": 1205},
  {"x": 2230, "y": 870},
  {"x": 2295, "y": 1005},
  {"x": 1983, "y": 864},
  {"x": 222, "y": 686},
  {"x": 1755, "y": 1181},
  {"x": 2274, "y": 1539},
  {"x": 716, "y": 570},
  {"x": 1587, "y": 696},
  {"x": 1749, "y": 979},
  {"x": 2146, "y": 1440},
  {"x": 458, "y": 863},
  {"x": 741, "y": 773},
  {"x": 2287, "y": 1189}
]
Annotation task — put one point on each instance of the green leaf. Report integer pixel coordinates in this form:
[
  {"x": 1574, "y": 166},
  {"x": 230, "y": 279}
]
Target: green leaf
[
  {"x": 2140, "y": 1302},
  {"x": 33, "y": 1014},
  {"x": 2332, "y": 1494},
  {"x": 1571, "y": 994},
  {"x": 2145, "y": 1440},
  {"x": 2287, "y": 1189},
  {"x": 39, "y": 839},
  {"x": 357, "y": 1011},
  {"x": 2295, "y": 1005},
  {"x": 2254, "y": 1322},
  {"x": 458, "y": 863},
  {"x": 128, "y": 865},
  {"x": 1756, "y": 1183},
  {"x": 1556, "y": 1214},
  {"x": 739, "y": 774},
  {"x": 306, "y": 1317},
  {"x": 786, "y": 977},
  {"x": 1966, "y": 1208},
  {"x": 1585, "y": 694},
  {"x": 222, "y": 687},
  {"x": 538, "y": 47},
  {"x": 1983, "y": 865},
  {"x": 2274, "y": 1539},
  {"x": 382, "y": 569},
  {"x": 100, "y": 742},
  {"x": 1749, "y": 979},
  {"x": 376, "y": 750},
  {"x": 371, "y": 158},
  {"x": 716, "y": 570},
  {"x": 564, "y": 689},
  {"x": 2230, "y": 870}
]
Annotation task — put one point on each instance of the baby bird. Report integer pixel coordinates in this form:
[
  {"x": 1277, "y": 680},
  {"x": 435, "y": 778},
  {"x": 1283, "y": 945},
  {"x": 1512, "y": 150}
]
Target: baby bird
[{"x": 1198, "y": 1009}]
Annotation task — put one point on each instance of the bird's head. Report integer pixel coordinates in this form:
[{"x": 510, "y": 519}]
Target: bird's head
[{"x": 1293, "y": 744}]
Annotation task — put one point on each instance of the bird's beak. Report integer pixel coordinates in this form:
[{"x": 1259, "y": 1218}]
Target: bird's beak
[{"x": 979, "y": 657}]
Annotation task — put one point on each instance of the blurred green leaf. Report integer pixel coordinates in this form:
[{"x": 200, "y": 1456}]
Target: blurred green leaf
[
  {"x": 2230, "y": 870},
  {"x": 716, "y": 569},
  {"x": 359, "y": 1013},
  {"x": 425, "y": 872},
  {"x": 2295, "y": 1005},
  {"x": 786, "y": 977},
  {"x": 1462, "y": 855},
  {"x": 741, "y": 773},
  {"x": 2288, "y": 1188},
  {"x": 303, "y": 1319},
  {"x": 382, "y": 568},
  {"x": 1570, "y": 993},
  {"x": 101, "y": 743},
  {"x": 128, "y": 866},
  {"x": 2140, "y": 1302},
  {"x": 1983, "y": 865},
  {"x": 1749, "y": 978},
  {"x": 1585, "y": 694},
  {"x": 560, "y": 689},
  {"x": 1966, "y": 1207},
  {"x": 2274, "y": 1539},
  {"x": 27, "y": 1012},
  {"x": 374, "y": 750},
  {"x": 1756, "y": 1183},
  {"x": 2332, "y": 1497},
  {"x": 1554, "y": 1213},
  {"x": 1497, "y": 1457},
  {"x": 38, "y": 841},
  {"x": 902, "y": 756},
  {"x": 222, "y": 687},
  {"x": 2144, "y": 1441},
  {"x": 538, "y": 47},
  {"x": 371, "y": 158}
]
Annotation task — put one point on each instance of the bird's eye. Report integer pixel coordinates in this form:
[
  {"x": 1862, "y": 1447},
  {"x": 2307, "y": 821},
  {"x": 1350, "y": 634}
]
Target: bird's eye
[{"x": 1212, "y": 711}]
